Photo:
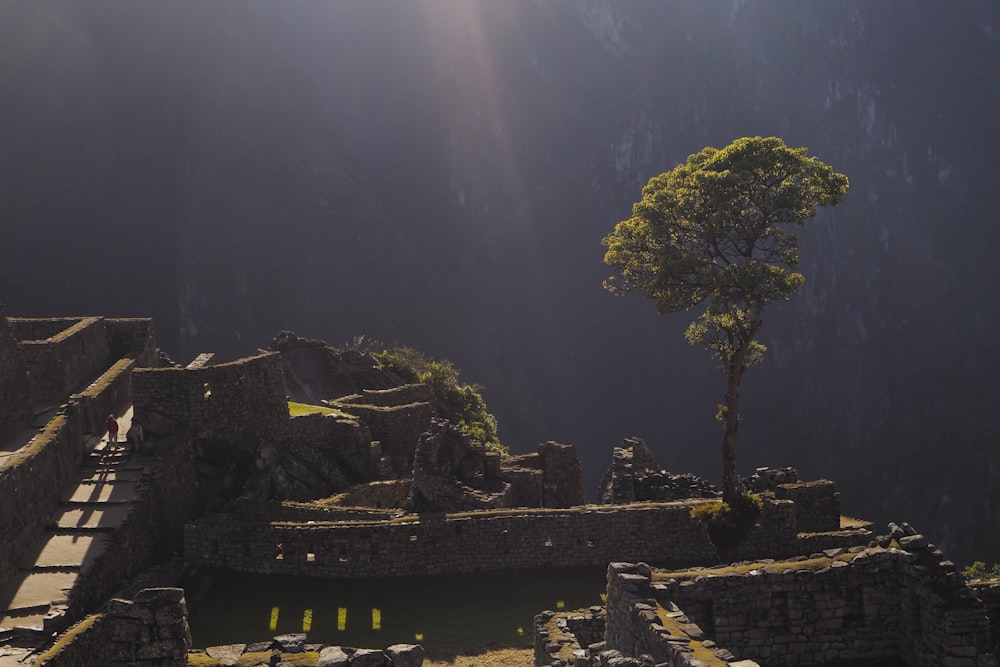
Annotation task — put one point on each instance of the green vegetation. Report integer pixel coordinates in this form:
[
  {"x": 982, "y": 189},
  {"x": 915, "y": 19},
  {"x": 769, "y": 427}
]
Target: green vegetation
[
  {"x": 69, "y": 637},
  {"x": 461, "y": 404},
  {"x": 298, "y": 409},
  {"x": 978, "y": 570},
  {"x": 713, "y": 231},
  {"x": 729, "y": 523}
]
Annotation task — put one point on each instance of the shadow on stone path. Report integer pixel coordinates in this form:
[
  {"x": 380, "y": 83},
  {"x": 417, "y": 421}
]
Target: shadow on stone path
[{"x": 33, "y": 604}]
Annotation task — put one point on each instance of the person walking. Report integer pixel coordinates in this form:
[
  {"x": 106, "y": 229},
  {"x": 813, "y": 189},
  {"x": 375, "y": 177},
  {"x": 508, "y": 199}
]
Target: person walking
[{"x": 112, "y": 430}]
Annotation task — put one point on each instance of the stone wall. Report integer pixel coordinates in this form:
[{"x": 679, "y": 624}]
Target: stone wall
[
  {"x": 134, "y": 338},
  {"x": 52, "y": 458},
  {"x": 989, "y": 593},
  {"x": 14, "y": 406},
  {"x": 640, "y": 621},
  {"x": 561, "y": 478},
  {"x": 566, "y": 637},
  {"x": 59, "y": 365},
  {"x": 28, "y": 484},
  {"x": 111, "y": 393},
  {"x": 397, "y": 428},
  {"x": 403, "y": 395},
  {"x": 635, "y": 476},
  {"x": 817, "y": 504},
  {"x": 382, "y": 494},
  {"x": 225, "y": 401},
  {"x": 41, "y": 328},
  {"x": 526, "y": 539},
  {"x": 859, "y": 605},
  {"x": 329, "y": 441},
  {"x": 290, "y": 511},
  {"x": 149, "y": 631}
]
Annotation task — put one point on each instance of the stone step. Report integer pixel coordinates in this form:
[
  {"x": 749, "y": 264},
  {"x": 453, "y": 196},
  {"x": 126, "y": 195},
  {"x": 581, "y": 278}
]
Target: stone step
[
  {"x": 21, "y": 624},
  {"x": 60, "y": 551},
  {"x": 115, "y": 474},
  {"x": 101, "y": 492},
  {"x": 103, "y": 517},
  {"x": 36, "y": 592}
]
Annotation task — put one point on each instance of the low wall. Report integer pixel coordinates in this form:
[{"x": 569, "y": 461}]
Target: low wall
[
  {"x": 529, "y": 539},
  {"x": 29, "y": 484},
  {"x": 60, "y": 364},
  {"x": 111, "y": 393}
]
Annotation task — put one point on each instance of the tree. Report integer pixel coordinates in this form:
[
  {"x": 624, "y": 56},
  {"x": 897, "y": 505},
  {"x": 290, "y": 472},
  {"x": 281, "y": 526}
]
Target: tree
[{"x": 715, "y": 230}]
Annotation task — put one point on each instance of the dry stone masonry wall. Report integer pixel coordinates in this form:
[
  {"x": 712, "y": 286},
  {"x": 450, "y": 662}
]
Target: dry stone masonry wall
[
  {"x": 528, "y": 539},
  {"x": 60, "y": 364},
  {"x": 236, "y": 400},
  {"x": 875, "y": 604},
  {"x": 14, "y": 407}
]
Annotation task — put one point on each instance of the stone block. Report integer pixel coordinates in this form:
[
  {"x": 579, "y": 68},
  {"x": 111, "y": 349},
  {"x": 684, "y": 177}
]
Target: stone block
[
  {"x": 406, "y": 655},
  {"x": 333, "y": 656},
  {"x": 291, "y": 643},
  {"x": 368, "y": 657}
]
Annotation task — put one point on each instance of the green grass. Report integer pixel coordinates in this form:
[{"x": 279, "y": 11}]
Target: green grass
[{"x": 299, "y": 409}]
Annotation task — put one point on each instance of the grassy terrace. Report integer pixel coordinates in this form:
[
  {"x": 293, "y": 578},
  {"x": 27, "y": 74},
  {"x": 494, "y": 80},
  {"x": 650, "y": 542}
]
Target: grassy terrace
[{"x": 299, "y": 409}]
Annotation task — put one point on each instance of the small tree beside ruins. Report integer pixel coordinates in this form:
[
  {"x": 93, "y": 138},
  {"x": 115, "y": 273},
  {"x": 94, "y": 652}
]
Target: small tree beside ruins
[{"x": 715, "y": 231}]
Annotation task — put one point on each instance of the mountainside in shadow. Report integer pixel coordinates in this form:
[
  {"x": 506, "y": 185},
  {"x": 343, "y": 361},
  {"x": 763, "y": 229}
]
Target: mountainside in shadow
[{"x": 440, "y": 174}]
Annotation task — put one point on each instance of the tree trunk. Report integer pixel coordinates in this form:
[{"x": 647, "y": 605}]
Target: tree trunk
[{"x": 730, "y": 481}]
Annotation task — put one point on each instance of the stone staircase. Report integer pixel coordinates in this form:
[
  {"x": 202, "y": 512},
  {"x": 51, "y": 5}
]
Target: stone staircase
[{"x": 34, "y": 604}]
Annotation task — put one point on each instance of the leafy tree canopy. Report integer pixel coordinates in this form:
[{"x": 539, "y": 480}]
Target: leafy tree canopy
[
  {"x": 718, "y": 230},
  {"x": 461, "y": 404}
]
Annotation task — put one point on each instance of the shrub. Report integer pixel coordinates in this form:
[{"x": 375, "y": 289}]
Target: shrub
[
  {"x": 729, "y": 525},
  {"x": 461, "y": 404},
  {"x": 978, "y": 570}
]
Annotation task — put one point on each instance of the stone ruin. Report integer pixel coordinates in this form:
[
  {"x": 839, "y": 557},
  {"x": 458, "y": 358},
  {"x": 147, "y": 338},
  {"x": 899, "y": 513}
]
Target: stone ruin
[
  {"x": 899, "y": 604},
  {"x": 313, "y": 495},
  {"x": 636, "y": 476}
]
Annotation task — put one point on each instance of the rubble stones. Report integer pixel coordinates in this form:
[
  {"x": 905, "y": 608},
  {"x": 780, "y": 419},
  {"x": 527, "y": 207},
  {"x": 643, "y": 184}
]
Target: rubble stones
[
  {"x": 635, "y": 476},
  {"x": 333, "y": 656},
  {"x": 405, "y": 655}
]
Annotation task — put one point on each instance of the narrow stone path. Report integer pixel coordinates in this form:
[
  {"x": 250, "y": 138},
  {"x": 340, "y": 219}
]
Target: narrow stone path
[{"x": 91, "y": 509}]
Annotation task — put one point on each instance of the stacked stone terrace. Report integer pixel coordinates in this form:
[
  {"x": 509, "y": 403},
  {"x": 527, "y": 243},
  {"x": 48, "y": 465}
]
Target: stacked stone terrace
[
  {"x": 836, "y": 598},
  {"x": 903, "y": 603}
]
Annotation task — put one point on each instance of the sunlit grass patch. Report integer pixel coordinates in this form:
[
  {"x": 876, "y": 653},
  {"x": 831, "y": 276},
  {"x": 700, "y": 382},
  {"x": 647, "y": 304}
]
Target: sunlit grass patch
[{"x": 299, "y": 409}]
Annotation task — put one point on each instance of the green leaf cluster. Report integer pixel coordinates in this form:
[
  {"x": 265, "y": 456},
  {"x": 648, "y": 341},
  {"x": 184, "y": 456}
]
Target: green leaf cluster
[
  {"x": 978, "y": 570},
  {"x": 461, "y": 404}
]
